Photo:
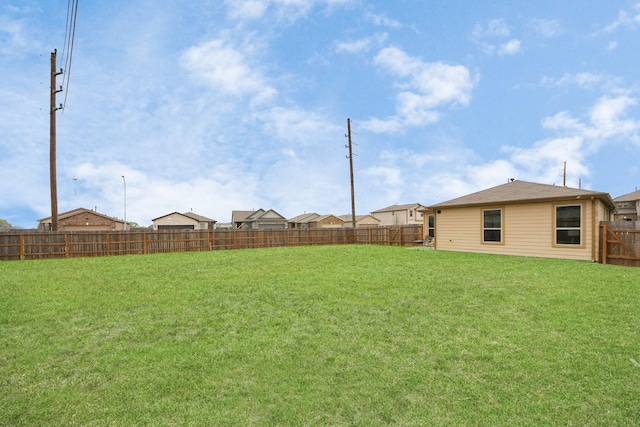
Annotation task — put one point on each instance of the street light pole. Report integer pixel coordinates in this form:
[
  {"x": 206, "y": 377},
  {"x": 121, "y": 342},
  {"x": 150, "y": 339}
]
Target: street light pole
[{"x": 124, "y": 182}]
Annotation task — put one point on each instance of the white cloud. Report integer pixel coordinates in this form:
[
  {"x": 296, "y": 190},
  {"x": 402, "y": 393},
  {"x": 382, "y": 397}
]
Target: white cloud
[
  {"x": 246, "y": 9},
  {"x": 624, "y": 20},
  {"x": 577, "y": 141},
  {"x": 487, "y": 38},
  {"x": 586, "y": 80},
  {"x": 424, "y": 86},
  {"x": 606, "y": 120},
  {"x": 297, "y": 126},
  {"x": 227, "y": 69},
  {"x": 547, "y": 28},
  {"x": 494, "y": 28},
  {"x": 544, "y": 160},
  {"x": 384, "y": 176},
  {"x": 383, "y": 20},
  {"x": 509, "y": 48},
  {"x": 283, "y": 9},
  {"x": 100, "y": 186},
  {"x": 389, "y": 125},
  {"x": 361, "y": 45},
  {"x": 14, "y": 37}
]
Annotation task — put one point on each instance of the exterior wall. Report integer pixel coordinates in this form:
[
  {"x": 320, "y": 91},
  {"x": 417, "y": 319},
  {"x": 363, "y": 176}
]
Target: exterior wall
[
  {"x": 400, "y": 217},
  {"x": 387, "y": 218},
  {"x": 268, "y": 220},
  {"x": 268, "y": 225},
  {"x": 367, "y": 222},
  {"x": 527, "y": 230},
  {"x": 328, "y": 222},
  {"x": 174, "y": 220},
  {"x": 86, "y": 221}
]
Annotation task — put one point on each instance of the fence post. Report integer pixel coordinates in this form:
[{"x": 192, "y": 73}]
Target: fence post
[
  {"x": 22, "y": 254},
  {"x": 603, "y": 238},
  {"x": 66, "y": 245}
]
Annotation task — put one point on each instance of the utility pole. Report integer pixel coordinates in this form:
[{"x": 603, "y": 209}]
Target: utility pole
[
  {"x": 350, "y": 157},
  {"x": 564, "y": 175},
  {"x": 52, "y": 141}
]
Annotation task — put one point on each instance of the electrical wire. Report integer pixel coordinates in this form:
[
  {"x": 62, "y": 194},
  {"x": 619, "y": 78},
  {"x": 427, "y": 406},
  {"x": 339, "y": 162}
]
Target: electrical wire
[{"x": 69, "y": 42}]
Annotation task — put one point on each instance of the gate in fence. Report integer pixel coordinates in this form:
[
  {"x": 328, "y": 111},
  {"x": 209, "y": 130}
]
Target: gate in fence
[{"x": 620, "y": 243}]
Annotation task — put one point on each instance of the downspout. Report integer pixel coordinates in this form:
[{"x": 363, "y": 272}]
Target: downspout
[{"x": 435, "y": 228}]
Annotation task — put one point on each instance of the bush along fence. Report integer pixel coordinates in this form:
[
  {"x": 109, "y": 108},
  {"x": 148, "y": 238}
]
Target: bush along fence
[{"x": 43, "y": 245}]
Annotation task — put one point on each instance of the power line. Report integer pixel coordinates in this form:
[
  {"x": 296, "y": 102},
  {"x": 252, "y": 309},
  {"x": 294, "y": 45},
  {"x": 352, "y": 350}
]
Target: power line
[{"x": 69, "y": 42}]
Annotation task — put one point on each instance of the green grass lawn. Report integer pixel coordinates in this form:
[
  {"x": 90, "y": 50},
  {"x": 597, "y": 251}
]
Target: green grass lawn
[{"x": 327, "y": 335}]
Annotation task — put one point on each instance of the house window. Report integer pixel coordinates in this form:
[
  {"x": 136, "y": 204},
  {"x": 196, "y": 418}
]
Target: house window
[
  {"x": 492, "y": 225},
  {"x": 431, "y": 226},
  {"x": 568, "y": 225},
  {"x": 411, "y": 214}
]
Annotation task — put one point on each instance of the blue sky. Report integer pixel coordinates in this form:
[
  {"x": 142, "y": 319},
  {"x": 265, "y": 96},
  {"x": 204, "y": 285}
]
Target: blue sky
[{"x": 214, "y": 106}]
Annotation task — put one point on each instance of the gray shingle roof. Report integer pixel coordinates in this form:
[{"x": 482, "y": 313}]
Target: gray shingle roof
[
  {"x": 304, "y": 218},
  {"x": 523, "y": 191},
  {"x": 395, "y": 208},
  {"x": 64, "y": 215},
  {"x": 198, "y": 218},
  {"x": 631, "y": 197}
]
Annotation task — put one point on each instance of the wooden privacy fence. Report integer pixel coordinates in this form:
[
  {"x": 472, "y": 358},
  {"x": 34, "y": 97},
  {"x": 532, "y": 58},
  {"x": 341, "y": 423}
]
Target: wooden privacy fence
[
  {"x": 42, "y": 245},
  {"x": 620, "y": 243}
]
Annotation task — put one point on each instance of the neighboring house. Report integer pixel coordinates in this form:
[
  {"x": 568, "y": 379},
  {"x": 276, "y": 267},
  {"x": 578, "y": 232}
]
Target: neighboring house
[
  {"x": 259, "y": 220},
  {"x": 628, "y": 207},
  {"x": 361, "y": 221},
  {"x": 238, "y": 217},
  {"x": 326, "y": 221},
  {"x": 82, "y": 219},
  {"x": 184, "y": 221},
  {"x": 400, "y": 214},
  {"x": 313, "y": 220},
  {"x": 301, "y": 221},
  {"x": 523, "y": 218}
]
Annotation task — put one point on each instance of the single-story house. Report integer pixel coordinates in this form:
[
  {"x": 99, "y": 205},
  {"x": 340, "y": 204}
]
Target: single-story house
[
  {"x": 259, "y": 220},
  {"x": 326, "y": 221},
  {"x": 523, "y": 218},
  {"x": 361, "y": 221},
  {"x": 82, "y": 219},
  {"x": 183, "y": 221},
  {"x": 628, "y": 207},
  {"x": 301, "y": 221},
  {"x": 408, "y": 214},
  {"x": 238, "y": 217}
]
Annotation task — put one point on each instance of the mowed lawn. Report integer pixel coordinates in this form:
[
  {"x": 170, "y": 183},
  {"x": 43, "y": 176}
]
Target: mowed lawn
[{"x": 327, "y": 335}]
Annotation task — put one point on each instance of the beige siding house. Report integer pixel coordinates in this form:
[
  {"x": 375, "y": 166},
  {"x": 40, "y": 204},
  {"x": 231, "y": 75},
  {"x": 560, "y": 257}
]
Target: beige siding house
[
  {"x": 523, "y": 218},
  {"x": 409, "y": 214},
  {"x": 313, "y": 220},
  {"x": 183, "y": 221},
  {"x": 628, "y": 207},
  {"x": 361, "y": 221},
  {"x": 326, "y": 221},
  {"x": 302, "y": 221}
]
